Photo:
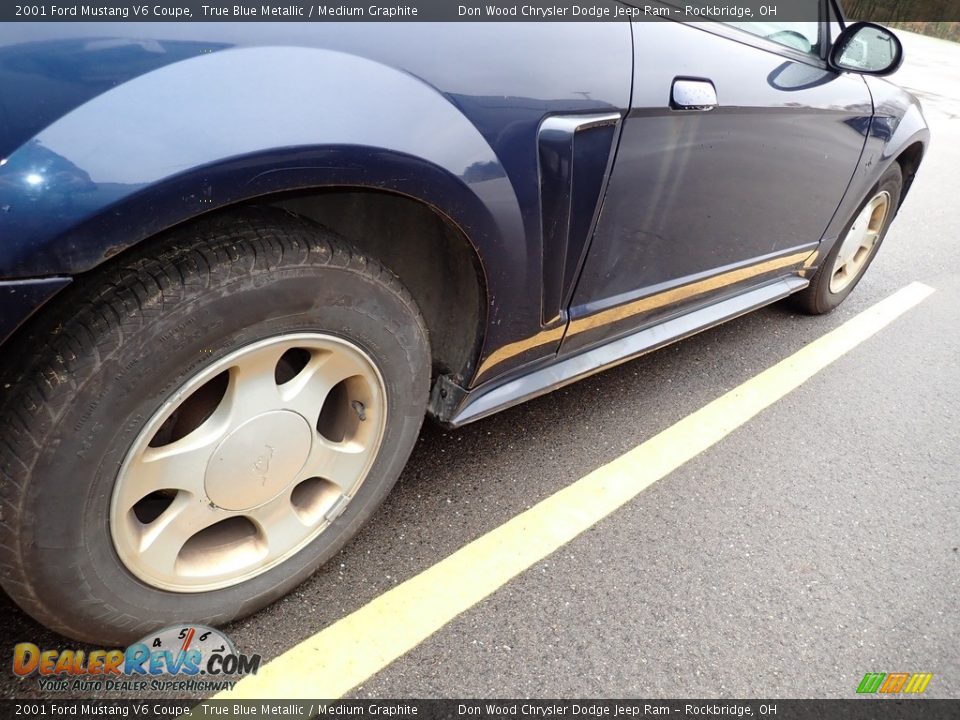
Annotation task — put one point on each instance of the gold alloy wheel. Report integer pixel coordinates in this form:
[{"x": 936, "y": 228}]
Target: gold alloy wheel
[
  {"x": 859, "y": 243},
  {"x": 248, "y": 462}
]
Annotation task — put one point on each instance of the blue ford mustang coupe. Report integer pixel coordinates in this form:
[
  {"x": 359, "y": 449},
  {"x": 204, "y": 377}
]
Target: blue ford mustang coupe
[{"x": 240, "y": 262}]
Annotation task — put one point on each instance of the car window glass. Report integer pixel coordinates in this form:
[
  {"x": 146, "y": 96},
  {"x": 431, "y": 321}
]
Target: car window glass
[{"x": 801, "y": 36}]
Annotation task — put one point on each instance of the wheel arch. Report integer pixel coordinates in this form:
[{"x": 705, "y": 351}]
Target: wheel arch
[
  {"x": 909, "y": 160},
  {"x": 160, "y": 170},
  {"x": 431, "y": 255}
]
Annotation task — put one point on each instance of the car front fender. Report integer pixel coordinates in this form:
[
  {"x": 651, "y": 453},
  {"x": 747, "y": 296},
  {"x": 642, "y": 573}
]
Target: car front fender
[
  {"x": 897, "y": 125},
  {"x": 232, "y": 125}
]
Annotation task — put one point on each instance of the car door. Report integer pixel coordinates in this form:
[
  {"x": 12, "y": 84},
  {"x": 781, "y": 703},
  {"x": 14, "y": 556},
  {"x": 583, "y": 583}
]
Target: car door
[{"x": 736, "y": 152}]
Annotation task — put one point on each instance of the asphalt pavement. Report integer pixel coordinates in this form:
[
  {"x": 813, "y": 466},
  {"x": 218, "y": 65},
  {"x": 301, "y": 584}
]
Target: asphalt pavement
[{"x": 815, "y": 543}]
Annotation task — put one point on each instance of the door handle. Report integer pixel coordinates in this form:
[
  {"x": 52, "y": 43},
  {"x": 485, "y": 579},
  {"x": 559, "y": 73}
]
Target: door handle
[{"x": 693, "y": 94}]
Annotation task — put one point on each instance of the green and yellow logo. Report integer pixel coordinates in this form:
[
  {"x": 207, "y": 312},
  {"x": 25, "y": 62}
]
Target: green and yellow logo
[{"x": 893, "y": 683}]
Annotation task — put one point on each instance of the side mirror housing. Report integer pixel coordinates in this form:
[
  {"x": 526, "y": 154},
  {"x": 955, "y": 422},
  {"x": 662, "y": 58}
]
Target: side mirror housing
[{"x": 868, "y": 49}]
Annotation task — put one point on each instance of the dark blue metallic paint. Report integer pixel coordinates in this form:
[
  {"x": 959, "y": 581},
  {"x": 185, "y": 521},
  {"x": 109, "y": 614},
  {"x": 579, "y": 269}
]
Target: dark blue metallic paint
[
  {"x": 428, "y": 111},
  {"x": 896, "y": 126},
  {"x": 20, "y": 298},
  {"x": 121, "y": 131},
  {"x": 698, "y": 191}
]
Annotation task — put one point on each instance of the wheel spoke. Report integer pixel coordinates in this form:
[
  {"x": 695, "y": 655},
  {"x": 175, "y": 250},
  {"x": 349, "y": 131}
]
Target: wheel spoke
[
  {"x": 178, "y": 466},
  {"x": 841, "y": 272},
  {"x": 253, "y": 386},
  {"x": 280, "y": 525},
  {"x": 307, "y": 392},
  {"x": 162, "y": 540},
  {"x": 341, "y": 463}
]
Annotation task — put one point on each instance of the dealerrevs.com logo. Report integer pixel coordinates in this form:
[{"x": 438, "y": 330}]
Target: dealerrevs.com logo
[{"x": 184, "y": 657}]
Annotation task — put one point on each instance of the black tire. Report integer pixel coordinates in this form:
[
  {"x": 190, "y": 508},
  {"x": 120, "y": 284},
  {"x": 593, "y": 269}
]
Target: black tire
[
  {"x": 103, "y": 358},
  {"x": 816, "y": 298}
]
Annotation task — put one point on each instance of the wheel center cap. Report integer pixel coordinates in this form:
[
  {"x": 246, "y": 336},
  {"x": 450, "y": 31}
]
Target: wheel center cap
[{"x": 257, "y": 460}]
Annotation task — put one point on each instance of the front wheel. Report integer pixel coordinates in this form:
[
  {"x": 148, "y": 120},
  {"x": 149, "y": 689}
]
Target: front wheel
[
  {"x": 193, "y": 432},
  {"x": 852, "y": 254}
]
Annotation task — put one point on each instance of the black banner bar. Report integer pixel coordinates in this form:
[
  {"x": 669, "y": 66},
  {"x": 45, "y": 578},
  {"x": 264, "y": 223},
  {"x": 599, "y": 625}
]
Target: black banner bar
[
  {"x": 470, "y": 11},
  {"x": 853, "y": 709}
]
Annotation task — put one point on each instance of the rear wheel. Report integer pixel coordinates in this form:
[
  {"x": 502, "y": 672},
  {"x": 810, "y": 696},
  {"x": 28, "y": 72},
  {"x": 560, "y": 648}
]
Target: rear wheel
[
  {"x": 852, "y": 254},
  {"x": 194, "y": 431}
]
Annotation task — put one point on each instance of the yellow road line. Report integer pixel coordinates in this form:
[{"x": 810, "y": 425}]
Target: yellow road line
[{"x": 345, "y": 654}]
